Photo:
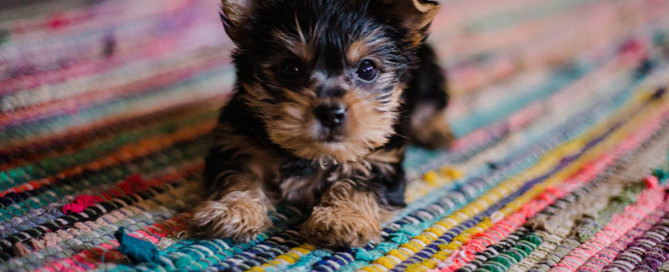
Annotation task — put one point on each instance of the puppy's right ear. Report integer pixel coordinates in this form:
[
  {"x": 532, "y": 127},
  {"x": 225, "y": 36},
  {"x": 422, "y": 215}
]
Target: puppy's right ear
[
  {"x": 234, "y": 14},
  {"x": 414, "y": 15}
]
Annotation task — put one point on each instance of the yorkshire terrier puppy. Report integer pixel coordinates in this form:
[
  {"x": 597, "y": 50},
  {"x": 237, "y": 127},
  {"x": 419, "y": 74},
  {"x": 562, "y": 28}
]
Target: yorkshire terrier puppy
[{"x": 329, "y": 93}]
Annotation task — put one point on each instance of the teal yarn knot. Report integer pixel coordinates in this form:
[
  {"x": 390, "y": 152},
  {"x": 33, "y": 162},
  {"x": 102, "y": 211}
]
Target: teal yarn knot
[
  {"x": 661, "y": 175},
  {"x": 137, "y": 250}
]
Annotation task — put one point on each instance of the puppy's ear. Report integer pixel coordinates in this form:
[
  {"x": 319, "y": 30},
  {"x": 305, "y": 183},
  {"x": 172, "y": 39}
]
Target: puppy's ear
[
  {"x": 234, "y": 14},
  {"x": 415, "y": 15}
]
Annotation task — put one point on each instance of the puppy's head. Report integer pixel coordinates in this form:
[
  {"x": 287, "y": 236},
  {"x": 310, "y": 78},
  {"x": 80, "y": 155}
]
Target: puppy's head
[{"x": 326, "y": 76}]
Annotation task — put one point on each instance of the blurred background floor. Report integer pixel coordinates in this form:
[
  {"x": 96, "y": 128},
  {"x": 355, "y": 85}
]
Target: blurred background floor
[{"x": 560, "y": 161}]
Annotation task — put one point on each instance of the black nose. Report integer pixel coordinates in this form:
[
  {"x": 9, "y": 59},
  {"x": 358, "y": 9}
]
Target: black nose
[{"x": 331, "y": 116}]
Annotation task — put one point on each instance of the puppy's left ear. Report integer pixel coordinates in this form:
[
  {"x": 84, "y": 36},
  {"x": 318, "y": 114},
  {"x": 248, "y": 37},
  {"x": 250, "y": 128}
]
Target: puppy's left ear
[
  {"x": 234, "y": 14},
  {"x": 414, "y": 15}
]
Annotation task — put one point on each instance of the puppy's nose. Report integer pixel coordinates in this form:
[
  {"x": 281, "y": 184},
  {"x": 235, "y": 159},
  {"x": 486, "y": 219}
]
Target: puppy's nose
[{"x": 331, "y": 116}]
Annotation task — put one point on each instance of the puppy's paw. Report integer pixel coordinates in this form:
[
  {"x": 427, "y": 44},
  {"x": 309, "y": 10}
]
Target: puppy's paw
[
  {"x": 235, "y": 217},
  {"x": 340, "y": 227}
]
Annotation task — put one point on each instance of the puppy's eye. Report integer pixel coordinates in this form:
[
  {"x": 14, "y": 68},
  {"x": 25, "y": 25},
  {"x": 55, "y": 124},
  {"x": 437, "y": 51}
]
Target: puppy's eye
[
  {"x": 291, "y": 69},
  {"x": 367, "y": 71}
]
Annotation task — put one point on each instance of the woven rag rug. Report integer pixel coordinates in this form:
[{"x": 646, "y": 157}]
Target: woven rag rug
[{"x": 560, "y": 163}]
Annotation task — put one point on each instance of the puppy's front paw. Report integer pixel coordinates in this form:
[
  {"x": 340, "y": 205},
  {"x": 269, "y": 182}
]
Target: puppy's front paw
[
  {"x": 341, "y": 227},
  {"x": 238, "y": 218}
]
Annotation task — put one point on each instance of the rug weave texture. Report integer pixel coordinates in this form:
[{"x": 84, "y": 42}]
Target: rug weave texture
[{"x": 560, "y": 162}]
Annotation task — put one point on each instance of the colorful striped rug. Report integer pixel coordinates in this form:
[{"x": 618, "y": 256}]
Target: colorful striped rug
[{"x": 561, "y": 161}]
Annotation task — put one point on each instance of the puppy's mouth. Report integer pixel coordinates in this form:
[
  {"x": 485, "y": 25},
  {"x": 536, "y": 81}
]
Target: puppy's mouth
[{"x": 328, "y": 135}]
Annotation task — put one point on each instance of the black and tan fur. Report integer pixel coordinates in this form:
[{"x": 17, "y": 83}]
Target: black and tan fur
[{"x": 295, "y": 58}]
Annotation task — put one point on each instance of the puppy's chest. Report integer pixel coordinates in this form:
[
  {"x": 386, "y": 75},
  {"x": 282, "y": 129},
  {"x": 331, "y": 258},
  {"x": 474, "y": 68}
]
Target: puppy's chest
[
  {"x": 304, "y": 181},
  {"x": 301, "y": 180}
]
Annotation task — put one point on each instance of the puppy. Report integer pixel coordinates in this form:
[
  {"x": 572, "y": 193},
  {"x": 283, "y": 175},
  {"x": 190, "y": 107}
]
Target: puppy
[{"x": 329, "y": 94}]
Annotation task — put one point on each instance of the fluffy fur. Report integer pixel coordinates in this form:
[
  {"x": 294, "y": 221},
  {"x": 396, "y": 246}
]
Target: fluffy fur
[{"x": 328, "y": 94}]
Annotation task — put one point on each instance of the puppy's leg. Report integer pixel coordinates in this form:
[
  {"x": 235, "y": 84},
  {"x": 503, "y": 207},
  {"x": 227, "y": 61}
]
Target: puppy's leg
[
  {"x": 236, "y": 205},
  {"x": 426, "y": 99},
  {"x": 239, "y": 211},
  {"x": 347, "y": 216}
]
